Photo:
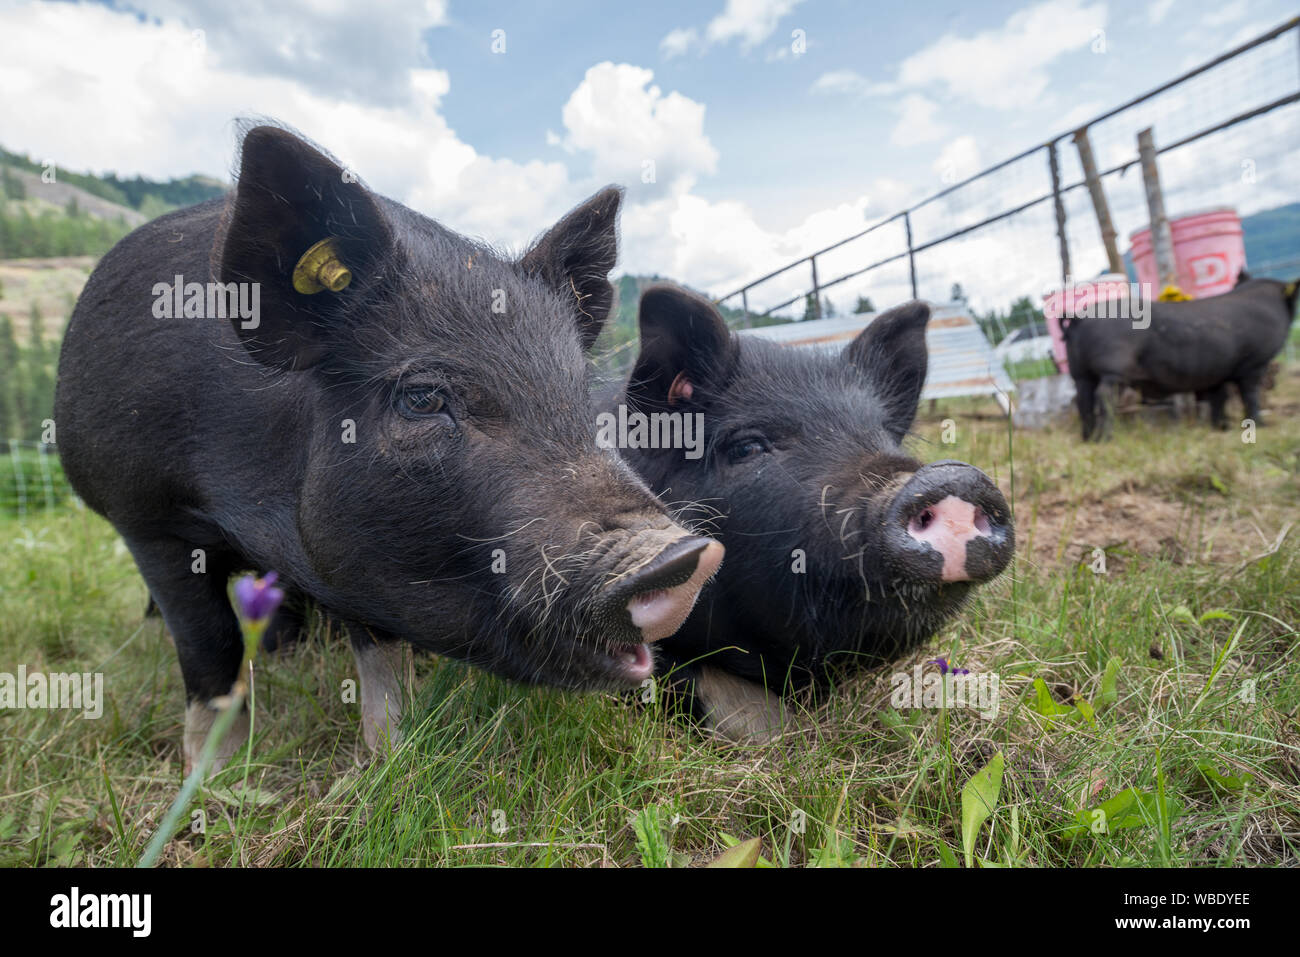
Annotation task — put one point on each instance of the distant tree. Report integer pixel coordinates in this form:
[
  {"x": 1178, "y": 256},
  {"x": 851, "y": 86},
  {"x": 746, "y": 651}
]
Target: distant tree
[
  {"x": 864, "y": 305},
  {"x": 9, "y": 375},
  {"x": 14, "y": 188},
  {"x": 35, "y": 381},
  {"x": 958, "y": 294},
  {"x": 809, "y": 306},
  {"x": 154, "y": 206}
]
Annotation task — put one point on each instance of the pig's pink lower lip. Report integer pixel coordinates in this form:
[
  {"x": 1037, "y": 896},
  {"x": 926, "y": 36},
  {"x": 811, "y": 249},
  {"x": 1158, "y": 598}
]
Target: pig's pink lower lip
[{"x": 635, "y": 660}]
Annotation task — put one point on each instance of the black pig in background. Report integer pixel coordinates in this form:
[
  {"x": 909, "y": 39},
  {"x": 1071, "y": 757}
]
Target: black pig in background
[
  {"x": 1201, "y": 346},
  {"x": 842, "y": 550}
]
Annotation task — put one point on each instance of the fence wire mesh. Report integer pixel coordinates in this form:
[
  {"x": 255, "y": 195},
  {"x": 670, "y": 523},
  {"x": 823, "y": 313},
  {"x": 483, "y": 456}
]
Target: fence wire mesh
[{"x": 1229, "y": 135}]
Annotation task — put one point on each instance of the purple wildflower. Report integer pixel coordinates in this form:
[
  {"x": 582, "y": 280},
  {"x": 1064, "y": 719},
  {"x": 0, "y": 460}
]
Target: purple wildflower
[
  {"x": 945, "y": 668},
  {"x": 257, "y": 598}
]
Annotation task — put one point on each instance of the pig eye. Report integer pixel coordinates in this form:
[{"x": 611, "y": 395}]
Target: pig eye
[
  {"x": 419, "y": 402},
  {"x": 747, "y": 447}
]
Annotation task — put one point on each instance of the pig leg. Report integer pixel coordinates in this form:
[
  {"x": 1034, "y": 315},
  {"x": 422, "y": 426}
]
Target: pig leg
[
  {"x": 385, "y": 680},
  {"x": 209, "y": 644},
  {"x": 1108, "y": 398},
  {"x": 1248, "y": 385},
  {"x": 737, "y": 709},
  {"x": 1218, "y": 397},
  {"x": 1086, "y": 394}
]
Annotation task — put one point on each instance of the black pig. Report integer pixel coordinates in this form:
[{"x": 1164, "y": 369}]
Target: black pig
[
  {"x": 842, "y": 549},
  {"x": 397, "y": 422},
  {"x": 1201, "y": 346}
]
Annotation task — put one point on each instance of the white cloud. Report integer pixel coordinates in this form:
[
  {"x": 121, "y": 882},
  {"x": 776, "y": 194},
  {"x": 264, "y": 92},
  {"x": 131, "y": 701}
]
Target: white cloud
[
  {"x": 958, "y": 160},
  {"x": 1158, "y": 10},
  {"x": 306, "y": 40},
  {"x": 624, "y": 123},
  {"x": 1079, "y": 114},
  {"x": 1226, "y": 14},
  {"x": 85, "y": 81},
  {"x": 916, "y": 122},
  {"x": 749, "y": 21},
  {"x": 1247, "y": 32},
  {"x": 852, "y": 83},
  {"x": 96, "y": 71},
  {"x": 1004, "y": 68},
  {"x": 678, "y": 42}
]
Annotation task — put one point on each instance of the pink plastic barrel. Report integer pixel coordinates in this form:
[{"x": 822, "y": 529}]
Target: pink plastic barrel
[
  {"x": 1079, "y": 296},
  {"x": 1208, "y": 250}
]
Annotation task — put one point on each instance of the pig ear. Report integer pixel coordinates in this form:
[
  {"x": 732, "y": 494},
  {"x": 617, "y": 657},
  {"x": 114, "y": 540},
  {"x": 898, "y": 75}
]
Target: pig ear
[
  {"x": 575, "y": 257},
  {"x": 891, "y": 353},
  {"x": 685, "y": 346},
  {"x": 289, "y": 198}
]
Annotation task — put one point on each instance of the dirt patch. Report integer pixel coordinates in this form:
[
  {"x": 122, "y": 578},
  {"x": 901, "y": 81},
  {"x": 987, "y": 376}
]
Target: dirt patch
[{"x": 1054, "y": 531}]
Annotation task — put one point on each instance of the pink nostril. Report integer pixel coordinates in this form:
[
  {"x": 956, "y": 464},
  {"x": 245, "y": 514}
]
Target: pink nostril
[
  {"x": 946, "y": 526},
  {"x": 921, "y": 522}
]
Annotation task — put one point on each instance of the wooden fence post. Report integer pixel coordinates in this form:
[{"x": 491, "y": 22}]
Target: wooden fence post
[
  {"x": 1093, "y": 179},
  {"x": 1162, "y": 237}
]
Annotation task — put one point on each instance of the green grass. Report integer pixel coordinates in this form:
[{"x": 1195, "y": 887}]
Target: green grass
[
  {"x": 491, "y": 773},
  {"x": 1030, "y": 369}
]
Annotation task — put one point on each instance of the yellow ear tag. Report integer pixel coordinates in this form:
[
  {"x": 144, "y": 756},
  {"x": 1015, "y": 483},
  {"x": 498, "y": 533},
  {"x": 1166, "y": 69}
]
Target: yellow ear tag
[{"x": 320, "y": 268}]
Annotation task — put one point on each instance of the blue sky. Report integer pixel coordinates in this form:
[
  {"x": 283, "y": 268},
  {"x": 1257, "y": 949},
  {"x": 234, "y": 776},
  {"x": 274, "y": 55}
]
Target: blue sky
[{"x": 774, "y": 126}]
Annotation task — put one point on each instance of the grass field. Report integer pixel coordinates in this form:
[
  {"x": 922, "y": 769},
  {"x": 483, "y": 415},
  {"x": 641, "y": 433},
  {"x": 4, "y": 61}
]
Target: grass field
[{"x": 1194, "y": 616}]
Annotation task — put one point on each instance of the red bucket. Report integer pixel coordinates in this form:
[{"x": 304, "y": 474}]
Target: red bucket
[
  {"x": 1079, "y": 296},
  {"x": 1209, "y": 251}
]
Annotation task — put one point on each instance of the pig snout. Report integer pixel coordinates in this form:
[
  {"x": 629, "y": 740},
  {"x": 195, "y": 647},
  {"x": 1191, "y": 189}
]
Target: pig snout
[
  {"x": 652, "y": 601},
  {"x": 949, "y": 523}
]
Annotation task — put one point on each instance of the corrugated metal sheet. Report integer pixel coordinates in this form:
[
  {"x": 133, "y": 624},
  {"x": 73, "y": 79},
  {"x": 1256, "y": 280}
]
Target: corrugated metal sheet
[{"x": 961, "y": 360}]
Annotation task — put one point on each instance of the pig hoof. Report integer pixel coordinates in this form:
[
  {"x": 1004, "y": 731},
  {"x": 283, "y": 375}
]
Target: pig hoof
[
  {"x": 739, "y": 710},
  {"x": 199, "y": 718},
  {"x": 382, "y": 668}
]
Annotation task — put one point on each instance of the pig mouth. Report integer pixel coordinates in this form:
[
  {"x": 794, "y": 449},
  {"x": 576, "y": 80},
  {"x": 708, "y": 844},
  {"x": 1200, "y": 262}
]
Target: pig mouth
[
  {"x": 632, "y": 663},
  {"x": 650, "y": 604}
]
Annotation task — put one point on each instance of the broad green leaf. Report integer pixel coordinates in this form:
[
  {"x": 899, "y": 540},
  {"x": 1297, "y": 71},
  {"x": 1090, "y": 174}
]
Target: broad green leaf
[
  {"x": 1051, "y": 709},
  {"x": 1045, "y": 704},
  {"x": 744, "y": 854},
  {"x": 946, "y": 857},
  {"x": 729, "y": 840},
  {"x": 1215, "y": 615},
  {"x": 1110, "y": 684},
  {"x": 1229, "y": 782},
  {"x": 249, "y": 797},
  {"x": 978, "y": 799},
  {"x": 1129, "y": 808}
]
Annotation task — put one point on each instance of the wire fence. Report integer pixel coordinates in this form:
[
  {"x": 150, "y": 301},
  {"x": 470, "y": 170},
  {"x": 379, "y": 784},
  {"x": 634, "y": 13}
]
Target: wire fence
[
  {"x": 1227, "y": 133},
  {"x": 31, "y": 479}
]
